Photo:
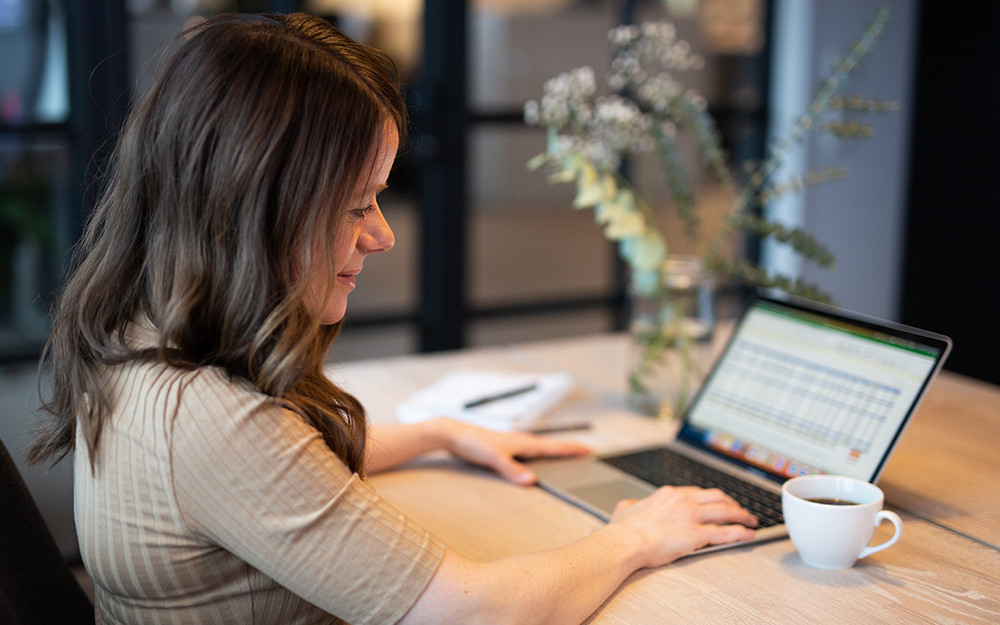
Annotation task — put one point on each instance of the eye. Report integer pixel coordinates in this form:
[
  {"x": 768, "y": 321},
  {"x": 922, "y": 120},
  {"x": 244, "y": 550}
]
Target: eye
[{"x": 361, "y": 213}]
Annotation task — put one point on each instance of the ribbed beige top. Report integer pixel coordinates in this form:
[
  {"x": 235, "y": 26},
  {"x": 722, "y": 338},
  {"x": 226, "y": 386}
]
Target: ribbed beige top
[{"x": 212, "y": 504}]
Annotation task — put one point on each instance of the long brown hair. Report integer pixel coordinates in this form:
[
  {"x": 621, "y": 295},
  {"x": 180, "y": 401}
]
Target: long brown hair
[{"x": 248, "y": 145}]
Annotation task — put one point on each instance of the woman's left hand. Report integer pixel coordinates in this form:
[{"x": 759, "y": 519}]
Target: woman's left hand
[{"x": 500, "y": 451}]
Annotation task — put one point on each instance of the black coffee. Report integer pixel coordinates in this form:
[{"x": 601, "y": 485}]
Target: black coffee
[{"x": 833, "y": 501}]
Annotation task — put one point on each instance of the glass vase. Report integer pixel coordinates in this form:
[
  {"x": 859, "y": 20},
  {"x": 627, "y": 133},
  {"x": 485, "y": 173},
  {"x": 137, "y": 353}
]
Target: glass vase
[{"x": 664, "y": 326}]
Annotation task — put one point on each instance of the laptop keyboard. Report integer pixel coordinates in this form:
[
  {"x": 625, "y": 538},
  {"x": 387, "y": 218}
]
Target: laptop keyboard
[{"x": 662, "y": 467}]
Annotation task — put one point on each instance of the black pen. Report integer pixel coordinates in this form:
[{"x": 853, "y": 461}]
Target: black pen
[
  {"x": 569, "y": 426},
  {"x": 504, "y": 395}
]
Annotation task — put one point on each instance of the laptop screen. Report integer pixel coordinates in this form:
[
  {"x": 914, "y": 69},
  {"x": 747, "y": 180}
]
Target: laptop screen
[{"x": 802, "y": 390}]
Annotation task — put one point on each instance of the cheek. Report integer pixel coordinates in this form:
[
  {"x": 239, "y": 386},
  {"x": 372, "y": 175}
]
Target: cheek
[
  {"x": 343, "y": 243},
  {"x": 316, "y": 290}
]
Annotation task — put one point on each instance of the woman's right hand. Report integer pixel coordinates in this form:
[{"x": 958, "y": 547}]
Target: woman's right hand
[{"x": 676, "y": 520}]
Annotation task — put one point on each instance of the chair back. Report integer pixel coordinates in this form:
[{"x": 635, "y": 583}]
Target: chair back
[{"x": 37, "y": 586}]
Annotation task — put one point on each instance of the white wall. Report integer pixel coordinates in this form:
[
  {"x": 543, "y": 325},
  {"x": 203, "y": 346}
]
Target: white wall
[{"x": 861, "y": 218}]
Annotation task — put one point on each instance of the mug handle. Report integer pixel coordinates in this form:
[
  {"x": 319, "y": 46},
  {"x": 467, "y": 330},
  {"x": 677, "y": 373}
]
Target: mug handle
[{"x": 892, "y": 517}]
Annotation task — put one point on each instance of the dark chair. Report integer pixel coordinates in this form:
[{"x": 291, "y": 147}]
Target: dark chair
[{"x": 37, "y": 586}]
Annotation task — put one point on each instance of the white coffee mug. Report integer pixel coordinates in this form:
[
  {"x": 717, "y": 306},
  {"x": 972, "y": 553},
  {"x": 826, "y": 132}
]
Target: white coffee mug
[{"x": 831, "y": 519}]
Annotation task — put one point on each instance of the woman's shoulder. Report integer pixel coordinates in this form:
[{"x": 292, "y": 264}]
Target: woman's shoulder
[
  {"x": 202, "y": 385},
  {"x": 180, "y": 395},
  {"x": 148, "y": 374},
  {"x": 195, "y": 403}
]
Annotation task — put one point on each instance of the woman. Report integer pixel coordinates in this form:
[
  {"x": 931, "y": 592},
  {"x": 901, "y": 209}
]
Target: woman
[{"x": 219, "y": 476}]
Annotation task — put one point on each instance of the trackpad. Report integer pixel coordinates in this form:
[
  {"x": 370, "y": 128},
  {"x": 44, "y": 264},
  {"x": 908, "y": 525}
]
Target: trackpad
[{"x": 605, "y": 495}]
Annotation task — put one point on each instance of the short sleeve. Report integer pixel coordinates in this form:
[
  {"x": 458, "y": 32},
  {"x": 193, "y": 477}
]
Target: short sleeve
[{"x": 258, "y": 481}]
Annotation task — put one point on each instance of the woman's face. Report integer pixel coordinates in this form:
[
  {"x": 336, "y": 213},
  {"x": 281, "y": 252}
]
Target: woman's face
[{"x": 362, "y": 230}]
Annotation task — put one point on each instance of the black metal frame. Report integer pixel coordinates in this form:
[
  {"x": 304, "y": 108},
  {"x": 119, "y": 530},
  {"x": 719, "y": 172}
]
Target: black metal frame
[
  {"x": 951, "y": 280},
  {"x": 99, "y": 94},
  {"x": 441, "y": 125}
]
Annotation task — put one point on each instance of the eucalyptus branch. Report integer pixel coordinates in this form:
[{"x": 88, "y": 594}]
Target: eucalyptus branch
[
  {"x": 754, "y": 274},
  {"x": 703, "y": 127},
  {"x": 820, "y": 103},
  {"x": 802, "y": 242},
  {"x": 677, "y": 179}
]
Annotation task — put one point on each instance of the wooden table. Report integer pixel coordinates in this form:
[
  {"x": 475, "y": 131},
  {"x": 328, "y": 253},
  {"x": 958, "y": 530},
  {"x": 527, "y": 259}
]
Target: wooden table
[
  {"x": 945, "y": 568},
  {"x": 947, "y": 464}
]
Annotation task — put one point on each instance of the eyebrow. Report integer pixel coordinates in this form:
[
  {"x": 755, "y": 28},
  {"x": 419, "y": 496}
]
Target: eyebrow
[{"x": 374, "y": 190}]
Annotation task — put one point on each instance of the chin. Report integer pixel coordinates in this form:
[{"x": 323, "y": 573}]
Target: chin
[
  {"x": 333, "y": 312},
  {"x": 333, "y": 315},
  {"x": 329, "y": 320}
]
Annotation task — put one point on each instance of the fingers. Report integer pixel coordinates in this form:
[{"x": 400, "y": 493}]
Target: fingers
[
  {"x": 718, "y": 507},
  {"x": 721, "y": 513},
  {"x": 709, "y": 506},
  {"x": 622, "y": 505},
  {"x": 514, "y": 471},
  {"x": 526, "y": 446},
  {"x": 679, "y": 520},
  {"x": 721, "y": 534},
  {"x": 499, "y": 450},
  {"x": 500, "y": 461},
  {"x": 533, "y": 446}
]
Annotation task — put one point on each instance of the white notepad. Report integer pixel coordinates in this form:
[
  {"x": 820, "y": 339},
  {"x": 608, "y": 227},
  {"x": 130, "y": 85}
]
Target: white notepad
[{"x": 450, "y": 395}]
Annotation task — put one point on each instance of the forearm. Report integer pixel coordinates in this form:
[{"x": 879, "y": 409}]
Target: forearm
[
  {"x": 392, "y": 444},
  {"x": 563, "y": 585}
]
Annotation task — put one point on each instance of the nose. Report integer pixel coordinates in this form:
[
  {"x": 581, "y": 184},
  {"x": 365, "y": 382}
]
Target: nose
[{"x": 378, "y": 235}]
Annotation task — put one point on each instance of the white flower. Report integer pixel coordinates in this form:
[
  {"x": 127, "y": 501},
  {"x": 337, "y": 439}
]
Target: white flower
[
  {"x": 659, "y": 91},
  {"x": 590, "y": 133},
  {"x": 623, "y": 35},
  {"x": 531, "y": 113},
  {"x": 619, "y": 124},
  {"x": 696, "y": 99}
]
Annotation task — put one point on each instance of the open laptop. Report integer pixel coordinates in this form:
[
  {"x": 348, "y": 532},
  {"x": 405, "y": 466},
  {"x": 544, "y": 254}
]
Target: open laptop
[{"x": 800, "y": 388}]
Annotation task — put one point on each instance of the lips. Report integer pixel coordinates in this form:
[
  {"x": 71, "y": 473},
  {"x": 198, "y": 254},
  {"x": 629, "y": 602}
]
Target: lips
[{"x": 348, "y": 278}]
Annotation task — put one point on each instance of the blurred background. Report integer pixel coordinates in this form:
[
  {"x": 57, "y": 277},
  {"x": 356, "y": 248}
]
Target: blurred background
[{"x": 489, "y": 253}]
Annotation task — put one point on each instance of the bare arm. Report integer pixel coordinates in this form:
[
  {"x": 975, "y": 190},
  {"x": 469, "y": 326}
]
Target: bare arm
[
  {"x": 567, "y": 584},
  {"x": 391, "y": 445},
  {"x": 562, "y": 585}
]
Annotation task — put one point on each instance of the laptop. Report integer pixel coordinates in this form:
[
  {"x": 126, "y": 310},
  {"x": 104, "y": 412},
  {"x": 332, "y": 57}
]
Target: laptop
[{"x": 800, "y": 388}]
